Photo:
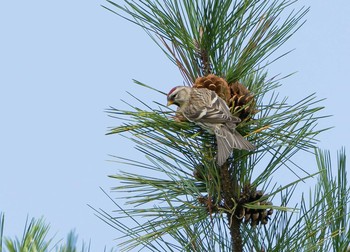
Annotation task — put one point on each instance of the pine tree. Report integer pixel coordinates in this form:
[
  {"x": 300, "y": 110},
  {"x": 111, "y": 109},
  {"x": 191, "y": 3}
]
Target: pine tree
[
  {"x": 180, "y": 199},
  {"x": 35, "y": 239}
]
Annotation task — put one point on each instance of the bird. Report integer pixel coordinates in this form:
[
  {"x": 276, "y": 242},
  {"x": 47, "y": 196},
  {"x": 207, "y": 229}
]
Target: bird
[{"x": 206, "y": 109}]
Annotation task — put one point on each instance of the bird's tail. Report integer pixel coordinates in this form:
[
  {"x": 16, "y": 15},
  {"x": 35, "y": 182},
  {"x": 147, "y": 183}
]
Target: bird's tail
[{"x": 227, "y": 140}]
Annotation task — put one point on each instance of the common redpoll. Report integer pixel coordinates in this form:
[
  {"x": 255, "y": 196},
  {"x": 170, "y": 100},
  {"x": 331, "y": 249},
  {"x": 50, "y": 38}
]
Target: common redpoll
[{"x": 206, "y": 109}]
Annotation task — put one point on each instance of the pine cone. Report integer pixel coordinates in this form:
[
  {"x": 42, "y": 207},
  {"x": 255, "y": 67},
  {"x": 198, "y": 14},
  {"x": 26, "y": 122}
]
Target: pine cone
[
  {"x": 249, "y": 194},
  {"x": 241, "y": 102},
  {"x": 255, "y": 216},
  {"x": 215, "y": 83}
]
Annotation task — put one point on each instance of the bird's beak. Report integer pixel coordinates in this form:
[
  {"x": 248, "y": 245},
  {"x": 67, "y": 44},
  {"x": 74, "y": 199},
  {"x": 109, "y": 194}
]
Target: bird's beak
[{"x": 170, "y": 103}]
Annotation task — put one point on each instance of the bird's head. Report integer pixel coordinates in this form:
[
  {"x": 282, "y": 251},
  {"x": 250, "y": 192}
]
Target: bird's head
[{"x": 179, "y": 95}]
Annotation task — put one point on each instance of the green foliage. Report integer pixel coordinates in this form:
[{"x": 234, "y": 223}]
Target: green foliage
[
  {"x": 178, "y": 199},
  {"x": 229, "y": 38},
  {"x": 331, "y": 211},
  {"x": 169, "y": 198},
  {"x": 35, "y": 239},
  {"x": 322, "y": 221}
]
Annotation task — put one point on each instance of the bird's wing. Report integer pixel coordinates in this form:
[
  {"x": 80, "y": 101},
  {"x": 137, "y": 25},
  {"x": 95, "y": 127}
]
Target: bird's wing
[{"x": 206, "y": 106}]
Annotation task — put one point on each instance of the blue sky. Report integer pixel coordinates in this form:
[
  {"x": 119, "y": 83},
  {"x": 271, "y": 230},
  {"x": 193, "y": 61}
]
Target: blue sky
[{"x": 62, "y": 63}]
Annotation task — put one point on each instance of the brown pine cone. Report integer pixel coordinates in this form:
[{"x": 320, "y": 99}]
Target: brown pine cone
[
  {"x": 241, "y": 102},
  {"x": 215, "y": 83}
]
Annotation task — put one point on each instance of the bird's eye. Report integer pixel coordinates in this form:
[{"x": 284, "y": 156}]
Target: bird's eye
[{"x": 173, "y": 96}]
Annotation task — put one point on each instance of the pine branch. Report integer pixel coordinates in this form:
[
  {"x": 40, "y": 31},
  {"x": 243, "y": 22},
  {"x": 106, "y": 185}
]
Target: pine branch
[
  {"x": 35, "y": 238},
  {"x": 201, "y": 206},
  {"x": 228, "y": 38},
  {"x": 183, "y": 156},
  {"x": 229, "y": 186}
]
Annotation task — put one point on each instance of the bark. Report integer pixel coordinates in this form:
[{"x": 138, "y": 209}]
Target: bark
[{"x": 229, "y": 186}]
